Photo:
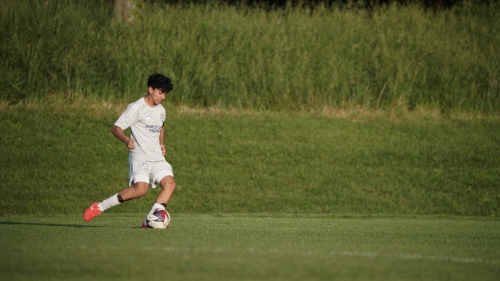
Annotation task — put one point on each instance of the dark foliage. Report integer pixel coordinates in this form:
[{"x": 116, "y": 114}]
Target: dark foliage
[{"x": 368, "y": 4}]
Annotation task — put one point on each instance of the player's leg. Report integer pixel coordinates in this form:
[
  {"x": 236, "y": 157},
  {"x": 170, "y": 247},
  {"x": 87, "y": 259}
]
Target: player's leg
[
  {"x": 138, "y": 190},
  {"x": 138, "y": 176},
  {"x": 163, "y": 175},
  {"x": 167, "y": 189}
]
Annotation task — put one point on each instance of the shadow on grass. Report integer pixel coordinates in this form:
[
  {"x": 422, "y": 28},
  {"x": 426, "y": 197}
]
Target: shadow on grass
[{"x": 48, "y": 224}]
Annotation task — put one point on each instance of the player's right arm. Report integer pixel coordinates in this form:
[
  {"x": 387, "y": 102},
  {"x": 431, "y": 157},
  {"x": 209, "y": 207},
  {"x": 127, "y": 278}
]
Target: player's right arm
[
  {"x": 119, "y": 134},
  {"x": 127, "y": 119}
]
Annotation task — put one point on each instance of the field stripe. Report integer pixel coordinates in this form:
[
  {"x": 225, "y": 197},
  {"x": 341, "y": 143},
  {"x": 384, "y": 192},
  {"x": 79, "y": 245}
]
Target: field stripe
[
  {"x": 349, "y": 253},
  {"x": 417, "y": 257}
]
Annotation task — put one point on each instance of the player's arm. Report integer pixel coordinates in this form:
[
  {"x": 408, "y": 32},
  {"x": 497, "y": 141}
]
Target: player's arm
[
  {"x": 162, "y": 137},
  {"x": 119, "y": 134}
]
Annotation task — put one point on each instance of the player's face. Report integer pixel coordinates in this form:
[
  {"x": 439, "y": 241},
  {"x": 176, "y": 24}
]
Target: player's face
[{"x": 157, "y": 95}]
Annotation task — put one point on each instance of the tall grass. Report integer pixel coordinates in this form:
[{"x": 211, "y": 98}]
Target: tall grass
[{"x": 235, "y": 56}]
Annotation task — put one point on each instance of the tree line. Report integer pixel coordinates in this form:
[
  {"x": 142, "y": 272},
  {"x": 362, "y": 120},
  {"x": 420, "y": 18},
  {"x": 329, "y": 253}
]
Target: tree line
[{"x": 369, "y": 4}]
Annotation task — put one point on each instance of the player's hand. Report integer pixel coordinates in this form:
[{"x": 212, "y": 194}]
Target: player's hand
[
  {"x": 130, "y": 144},
  {"x": 163, "y": 151}
]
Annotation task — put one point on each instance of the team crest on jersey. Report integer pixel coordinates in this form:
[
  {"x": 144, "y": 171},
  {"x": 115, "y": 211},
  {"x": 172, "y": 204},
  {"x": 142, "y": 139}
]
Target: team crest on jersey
[{"x": 144, "y": 166}]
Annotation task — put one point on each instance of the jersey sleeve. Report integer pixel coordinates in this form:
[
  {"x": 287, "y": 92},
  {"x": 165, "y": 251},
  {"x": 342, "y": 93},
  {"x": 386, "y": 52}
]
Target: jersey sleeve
[{"x": 128, "y": 118}]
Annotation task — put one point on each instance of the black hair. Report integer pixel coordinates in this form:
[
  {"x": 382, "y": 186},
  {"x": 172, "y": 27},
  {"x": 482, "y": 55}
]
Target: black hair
[{"x": 160, "y": 81}]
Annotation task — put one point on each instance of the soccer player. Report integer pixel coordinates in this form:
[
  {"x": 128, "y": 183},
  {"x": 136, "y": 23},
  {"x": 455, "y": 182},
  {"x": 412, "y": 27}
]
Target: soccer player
[{"x": 147, "y": 164}]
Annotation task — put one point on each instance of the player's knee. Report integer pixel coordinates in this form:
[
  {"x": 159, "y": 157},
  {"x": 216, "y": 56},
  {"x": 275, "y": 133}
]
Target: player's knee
[
  {"x": 169, "y": 183},
  {"x": 141, "y": 190}
]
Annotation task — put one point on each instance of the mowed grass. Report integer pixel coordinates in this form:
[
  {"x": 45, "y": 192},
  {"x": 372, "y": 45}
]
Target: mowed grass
[
  {"x": 243, "y": 247},
  {"x": 57, "y": 160}
]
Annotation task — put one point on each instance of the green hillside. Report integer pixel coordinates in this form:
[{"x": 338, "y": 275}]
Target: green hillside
[{"x": 57, "y": 160}]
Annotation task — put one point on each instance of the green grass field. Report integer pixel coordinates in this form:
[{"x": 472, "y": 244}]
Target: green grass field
[
  {"x": 261, "y": 196},
  {"x": 325, "y": 144},
  {"x": 246, "y": 247}
]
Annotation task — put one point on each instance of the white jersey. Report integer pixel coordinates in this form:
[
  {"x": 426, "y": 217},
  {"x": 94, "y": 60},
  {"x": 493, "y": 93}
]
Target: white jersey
[{"x": 145, "y": 124}]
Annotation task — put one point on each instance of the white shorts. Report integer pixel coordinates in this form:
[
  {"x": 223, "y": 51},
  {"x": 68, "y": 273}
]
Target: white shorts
[{"x": 149, "y": 172}]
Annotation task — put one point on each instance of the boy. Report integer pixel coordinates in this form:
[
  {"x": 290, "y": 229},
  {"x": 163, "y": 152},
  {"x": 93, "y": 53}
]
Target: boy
[{"x": 147, "y": 164}]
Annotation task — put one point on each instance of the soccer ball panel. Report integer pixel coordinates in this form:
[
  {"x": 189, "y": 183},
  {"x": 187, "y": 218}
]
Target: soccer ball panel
[{"x": 158, "y": 219}]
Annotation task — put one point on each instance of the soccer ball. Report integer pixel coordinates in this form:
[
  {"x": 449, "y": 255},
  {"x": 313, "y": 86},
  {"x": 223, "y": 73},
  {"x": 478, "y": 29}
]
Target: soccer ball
[{"x": 158, "y": 219}]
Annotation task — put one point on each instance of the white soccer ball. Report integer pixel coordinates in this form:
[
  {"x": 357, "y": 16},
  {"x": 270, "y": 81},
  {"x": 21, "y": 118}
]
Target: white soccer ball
[{"x": 158, "y": 219}]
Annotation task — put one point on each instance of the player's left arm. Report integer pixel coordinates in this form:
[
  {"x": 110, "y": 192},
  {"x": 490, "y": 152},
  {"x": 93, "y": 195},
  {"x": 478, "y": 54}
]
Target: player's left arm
[{"x": 162, "y": 137}]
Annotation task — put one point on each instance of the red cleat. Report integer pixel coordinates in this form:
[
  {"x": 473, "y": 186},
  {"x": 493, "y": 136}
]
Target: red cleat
[
  {"x": 144, "y": 225},
  {"x": 91, "y": 212}
]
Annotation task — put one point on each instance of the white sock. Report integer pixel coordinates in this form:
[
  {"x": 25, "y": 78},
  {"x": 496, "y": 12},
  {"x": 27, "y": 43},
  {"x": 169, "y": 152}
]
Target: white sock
[
  {"x": 156, "y": 206},
  {"x": 108, "y": 203}
]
